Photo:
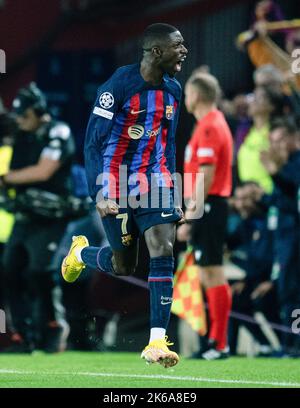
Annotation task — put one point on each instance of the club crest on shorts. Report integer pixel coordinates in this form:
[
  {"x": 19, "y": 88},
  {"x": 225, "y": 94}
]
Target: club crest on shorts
[
  {"x": 127, "y": 239},
  {"x": 169, "y": 112}
]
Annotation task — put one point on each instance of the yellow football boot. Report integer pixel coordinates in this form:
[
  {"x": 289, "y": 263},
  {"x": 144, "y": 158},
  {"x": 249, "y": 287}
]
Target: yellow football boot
[
  {"x": 71, "y": 268},
  {"x": 158, "y": 352}
]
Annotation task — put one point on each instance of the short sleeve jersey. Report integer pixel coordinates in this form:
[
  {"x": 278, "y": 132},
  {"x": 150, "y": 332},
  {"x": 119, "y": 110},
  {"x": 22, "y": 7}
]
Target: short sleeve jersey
[{"x": 211, "y": 143}]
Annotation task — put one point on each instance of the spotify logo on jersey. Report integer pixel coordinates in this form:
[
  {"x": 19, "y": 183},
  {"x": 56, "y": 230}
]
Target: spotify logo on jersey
[{"x": 136, "y": 131}]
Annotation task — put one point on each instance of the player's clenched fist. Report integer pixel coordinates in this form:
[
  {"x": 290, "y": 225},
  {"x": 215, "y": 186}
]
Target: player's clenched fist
[{"x": 107, "y": 207}]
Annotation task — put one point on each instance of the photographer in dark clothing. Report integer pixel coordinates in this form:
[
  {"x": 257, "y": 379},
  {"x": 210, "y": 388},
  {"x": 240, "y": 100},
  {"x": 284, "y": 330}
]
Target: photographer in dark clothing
[{"x": 40, "y": 174}]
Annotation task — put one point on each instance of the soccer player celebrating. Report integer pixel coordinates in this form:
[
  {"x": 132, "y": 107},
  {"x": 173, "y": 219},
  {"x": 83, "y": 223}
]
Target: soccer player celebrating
[
  {"x": 130, "y": 138},
  {"x": 209, "y": 152}
]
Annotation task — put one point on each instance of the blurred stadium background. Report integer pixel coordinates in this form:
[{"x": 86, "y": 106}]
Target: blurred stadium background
[{"x": 69, "y": 47}]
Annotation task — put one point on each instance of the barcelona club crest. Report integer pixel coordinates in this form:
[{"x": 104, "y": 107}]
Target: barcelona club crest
[
  {"x": 169, "y": 112},
  {"x": 127, "y": 239}
]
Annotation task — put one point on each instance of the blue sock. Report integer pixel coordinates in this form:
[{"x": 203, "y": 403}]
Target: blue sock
[
  {"x": 161, "y": 290},
  {"x": 98, "y": 258}
]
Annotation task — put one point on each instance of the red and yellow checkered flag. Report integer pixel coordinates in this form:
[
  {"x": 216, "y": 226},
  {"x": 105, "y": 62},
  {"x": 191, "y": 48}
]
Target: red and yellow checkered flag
[{"x": 187, "y": 295}]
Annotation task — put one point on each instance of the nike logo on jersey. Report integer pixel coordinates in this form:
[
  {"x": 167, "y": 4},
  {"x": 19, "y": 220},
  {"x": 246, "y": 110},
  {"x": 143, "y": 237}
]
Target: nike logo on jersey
[
  {"x": 133, "y": 112},
  {"x": 164, "y": 215}
]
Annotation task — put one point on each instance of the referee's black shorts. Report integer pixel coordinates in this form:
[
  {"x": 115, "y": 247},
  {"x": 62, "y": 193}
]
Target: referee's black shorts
[{"x": 208, "y": 233}]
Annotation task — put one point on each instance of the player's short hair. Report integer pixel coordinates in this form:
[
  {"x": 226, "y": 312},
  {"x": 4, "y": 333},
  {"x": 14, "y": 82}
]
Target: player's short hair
[
  {"x": 207, "y": 85},
  {"x": 154, "y": 34}
]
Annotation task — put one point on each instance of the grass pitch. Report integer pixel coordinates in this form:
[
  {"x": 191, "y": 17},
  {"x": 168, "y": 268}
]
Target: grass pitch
[{"x": 127, "y": 370}]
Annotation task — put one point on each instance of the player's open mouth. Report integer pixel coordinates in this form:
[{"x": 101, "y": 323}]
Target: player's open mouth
[{"x": 179, "y": 64}]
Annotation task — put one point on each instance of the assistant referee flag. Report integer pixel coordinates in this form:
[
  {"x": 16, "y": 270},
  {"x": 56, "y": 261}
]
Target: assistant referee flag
[{"x": 187, "y": 295}]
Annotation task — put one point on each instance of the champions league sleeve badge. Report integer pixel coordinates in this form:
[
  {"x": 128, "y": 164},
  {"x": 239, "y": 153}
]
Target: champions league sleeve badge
[{"x": 106, "y": 100}]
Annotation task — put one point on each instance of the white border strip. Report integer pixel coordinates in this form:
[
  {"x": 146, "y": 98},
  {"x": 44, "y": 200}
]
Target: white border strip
[{"x": 154, "y": 377}]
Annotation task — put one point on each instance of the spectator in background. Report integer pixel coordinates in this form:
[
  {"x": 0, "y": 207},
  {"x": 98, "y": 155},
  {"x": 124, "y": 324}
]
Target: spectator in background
[
  {"x": 243, "y": 124},
  {"x": 282, "y": 161},
  {"x": 251, "y": 246},
  {"x": 266, "y": 76},
  {"x": 262, "y": 49},
  {"x": 264, "y": 105},
  {"x": 41, "y": 162},
  {"x": 269, "y": 76},
  {"x": 240, "y": 104},
  {"x": 7, "y": 130},
  {"x": 209, "y": 152}
]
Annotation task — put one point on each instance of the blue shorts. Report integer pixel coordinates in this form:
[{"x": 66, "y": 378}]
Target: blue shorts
[{"x": 123, "y": 230}]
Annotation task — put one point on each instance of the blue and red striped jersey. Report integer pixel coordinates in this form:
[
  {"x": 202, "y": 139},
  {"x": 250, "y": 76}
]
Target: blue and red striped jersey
[{"x": 132, "y": 127}]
